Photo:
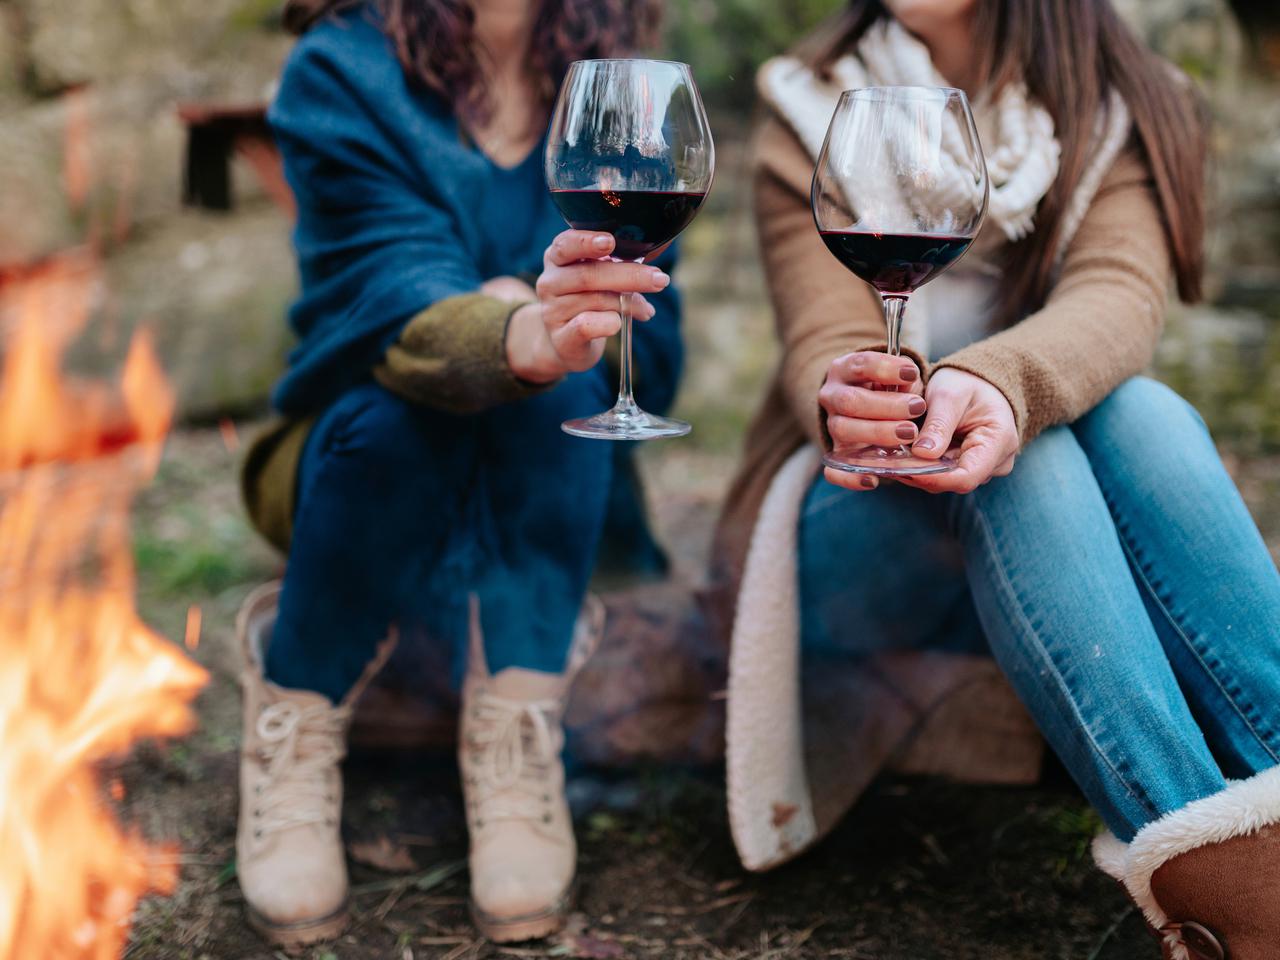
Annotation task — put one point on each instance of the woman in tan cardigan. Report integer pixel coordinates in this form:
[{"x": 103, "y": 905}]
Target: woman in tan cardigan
[{"x": 1090, "y": 540}]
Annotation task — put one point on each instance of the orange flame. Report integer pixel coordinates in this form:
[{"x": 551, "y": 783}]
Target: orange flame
[
  {"x": 191, "y": 636},
  {"x": 230, "y": 436},
  {"x": 81, "y": 677}
]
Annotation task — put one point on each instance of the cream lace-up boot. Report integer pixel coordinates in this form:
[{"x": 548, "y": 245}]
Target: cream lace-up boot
[
  {"x": 523, "y": 853},
  {"x": 289, "y": 852}
]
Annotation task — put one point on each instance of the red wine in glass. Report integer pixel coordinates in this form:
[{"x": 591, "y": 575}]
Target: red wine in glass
[
  {"x": 894, "y": 263},
  {"x": 641, "y": 221},
  {"x": 899, "y": 193}
]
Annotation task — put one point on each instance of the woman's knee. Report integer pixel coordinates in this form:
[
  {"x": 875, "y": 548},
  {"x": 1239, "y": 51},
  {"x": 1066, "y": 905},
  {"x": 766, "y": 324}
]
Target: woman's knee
[
  {"x": 1146, "y": 439},
  {"x": 1137, "y": 412},
  {"x": 386, "y": 433},
  {"x": 1049, "y": 466},
  {"x": 1051, "y": 481}
]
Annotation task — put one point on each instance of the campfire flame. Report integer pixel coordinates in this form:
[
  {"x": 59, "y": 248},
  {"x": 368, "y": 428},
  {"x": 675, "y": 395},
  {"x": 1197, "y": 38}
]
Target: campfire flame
[{"x": 81, "y": 677}]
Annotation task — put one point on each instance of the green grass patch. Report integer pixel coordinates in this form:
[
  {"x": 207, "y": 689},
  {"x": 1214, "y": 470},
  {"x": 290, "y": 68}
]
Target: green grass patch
[{"x": 190, "y": 567}]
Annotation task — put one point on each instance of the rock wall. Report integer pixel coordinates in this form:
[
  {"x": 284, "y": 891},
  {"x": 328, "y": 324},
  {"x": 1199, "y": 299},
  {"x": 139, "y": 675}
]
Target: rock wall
[
  {"x": 1227, "y": 48},
  {"x": 94, "y": 152}
]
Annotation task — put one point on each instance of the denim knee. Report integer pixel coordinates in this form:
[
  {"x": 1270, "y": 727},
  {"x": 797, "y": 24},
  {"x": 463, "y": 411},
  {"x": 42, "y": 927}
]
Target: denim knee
[
  {"x": 368, "y": 418},
  {"x": 1051, "y": 469},
  {"x": 384, "y": 442},
  {"x": 1138, "y": 410},
  {"x": 1145, "y": 437}
]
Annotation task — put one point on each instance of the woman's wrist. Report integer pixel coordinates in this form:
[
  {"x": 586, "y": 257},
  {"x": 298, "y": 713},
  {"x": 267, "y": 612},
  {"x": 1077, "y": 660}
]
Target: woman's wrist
[{"x": 529, "y": 352}]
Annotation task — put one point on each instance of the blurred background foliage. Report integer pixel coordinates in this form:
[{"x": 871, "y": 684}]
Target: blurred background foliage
[{"x": 726, "y": 40}]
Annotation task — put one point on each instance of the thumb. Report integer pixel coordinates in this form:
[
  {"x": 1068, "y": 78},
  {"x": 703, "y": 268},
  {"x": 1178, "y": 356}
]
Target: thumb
[{"x": 945, "y": 411}]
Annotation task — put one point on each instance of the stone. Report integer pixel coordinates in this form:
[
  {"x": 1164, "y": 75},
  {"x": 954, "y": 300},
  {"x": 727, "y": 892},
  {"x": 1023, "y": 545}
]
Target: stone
[
  {"x": 215, "y": 290},
  {"x": 654, "y": 689},
  {"x": 12, "y": 56},
  {"x": 652, "y": 692},
  {"x": 72, "y": 42},
  {"x": 88, "y": 166}
]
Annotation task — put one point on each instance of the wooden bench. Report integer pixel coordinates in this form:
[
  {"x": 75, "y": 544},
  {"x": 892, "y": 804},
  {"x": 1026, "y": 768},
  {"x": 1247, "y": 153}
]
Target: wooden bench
[{"x": 216, "y": 133}]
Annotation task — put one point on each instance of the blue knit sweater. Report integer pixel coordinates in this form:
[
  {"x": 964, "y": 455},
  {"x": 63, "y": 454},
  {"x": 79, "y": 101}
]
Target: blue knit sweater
[{"x": 398, "y": 211}]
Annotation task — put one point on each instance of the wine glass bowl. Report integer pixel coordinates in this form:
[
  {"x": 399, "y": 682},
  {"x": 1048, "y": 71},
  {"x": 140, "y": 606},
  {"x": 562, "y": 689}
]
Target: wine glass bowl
[
  {"x": 629, "y": 153},
  {"x": 899, "y": 193}
]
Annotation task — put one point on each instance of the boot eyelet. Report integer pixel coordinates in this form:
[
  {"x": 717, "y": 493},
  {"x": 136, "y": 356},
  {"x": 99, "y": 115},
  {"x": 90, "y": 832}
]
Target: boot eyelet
[
  {"x": 546, "y": 818},
  {"x": 257, "y": 834}
]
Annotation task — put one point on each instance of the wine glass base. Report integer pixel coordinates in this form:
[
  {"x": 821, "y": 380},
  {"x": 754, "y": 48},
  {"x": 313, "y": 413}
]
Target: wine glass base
[
  {"x": 886, "y": 462},
  {"x": 630, "y": 425}
]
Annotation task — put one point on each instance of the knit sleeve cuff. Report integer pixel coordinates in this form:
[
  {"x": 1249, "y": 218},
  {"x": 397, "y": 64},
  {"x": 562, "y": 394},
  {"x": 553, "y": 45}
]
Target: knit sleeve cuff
[
  {"x": 987, "y": 362},
  {"x": 453, "y": 357}
]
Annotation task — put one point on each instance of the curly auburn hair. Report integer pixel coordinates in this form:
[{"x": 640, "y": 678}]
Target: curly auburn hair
[{"x": 433, "y": 39}]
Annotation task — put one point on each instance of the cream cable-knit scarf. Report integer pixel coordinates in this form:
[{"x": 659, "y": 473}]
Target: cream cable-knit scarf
[{"x": 1021, "y": 150}]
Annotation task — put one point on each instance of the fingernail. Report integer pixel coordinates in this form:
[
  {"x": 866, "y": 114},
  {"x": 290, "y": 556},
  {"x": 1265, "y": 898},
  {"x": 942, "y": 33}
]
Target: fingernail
[
  {"x": 868, "y": 483},
  {"x": 602, "y": 243},
  {"x": 907, "y": 373},
  {"x": 917, "y": 406},
  {"x": 660, "y": 279},
  {"x": 650, "y": 309},
  {"x": 927, "y": 443},
  {"x": 906, "y": 431}
]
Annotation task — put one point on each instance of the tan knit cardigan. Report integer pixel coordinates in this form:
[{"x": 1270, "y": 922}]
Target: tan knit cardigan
[{"x": 1099, "y": 327}]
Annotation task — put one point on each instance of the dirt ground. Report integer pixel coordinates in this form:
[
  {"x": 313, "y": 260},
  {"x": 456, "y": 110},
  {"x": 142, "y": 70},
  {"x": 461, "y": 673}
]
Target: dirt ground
[{"x": 919, "y": 871}]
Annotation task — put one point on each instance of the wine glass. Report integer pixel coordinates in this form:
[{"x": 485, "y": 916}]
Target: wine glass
[
  {"x": 899, "y": 193},
  {"x": 629, "y": 153}
]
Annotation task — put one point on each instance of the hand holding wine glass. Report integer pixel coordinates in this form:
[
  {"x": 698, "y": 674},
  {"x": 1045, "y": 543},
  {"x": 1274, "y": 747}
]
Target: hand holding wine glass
[
  {"x": 629, "y": 154},
  {"x": 870, "y": 398},
  {"x": 577, "y": 306},
  {"x": 899, "y": 193},
  {"x": 967, "y": 408}
]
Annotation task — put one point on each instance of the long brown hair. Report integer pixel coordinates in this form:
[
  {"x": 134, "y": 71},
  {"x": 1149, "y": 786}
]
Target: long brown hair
[
  {"x": 433, "y": 40},
  {"x": 1071, "y": 54}
]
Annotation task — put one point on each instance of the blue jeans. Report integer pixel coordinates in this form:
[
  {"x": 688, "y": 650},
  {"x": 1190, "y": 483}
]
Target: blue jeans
[
  {"x": 1117, "y": 578},
  {"x": 402, "y": 511}
]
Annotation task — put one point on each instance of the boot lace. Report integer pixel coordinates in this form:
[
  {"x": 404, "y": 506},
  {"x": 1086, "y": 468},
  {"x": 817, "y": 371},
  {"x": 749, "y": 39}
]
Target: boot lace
[
  {"x": 514, "y": 746},
  {"x": 300, "y": 747},
  {"x": 1174, "y": 947}
]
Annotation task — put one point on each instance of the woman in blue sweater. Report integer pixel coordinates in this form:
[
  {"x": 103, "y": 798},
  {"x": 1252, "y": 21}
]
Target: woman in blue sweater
[{"x": 419, "y": 479}]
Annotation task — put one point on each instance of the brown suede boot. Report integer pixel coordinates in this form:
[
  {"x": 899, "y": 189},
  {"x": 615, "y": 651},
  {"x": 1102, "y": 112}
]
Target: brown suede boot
[
  {"x": 523, "y": 852},
  {"x": 289, "y": 854},
  {"x": 1207, "y": 877}
]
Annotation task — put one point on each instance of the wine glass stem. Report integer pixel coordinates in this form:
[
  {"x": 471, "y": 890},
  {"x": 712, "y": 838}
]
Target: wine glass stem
[
  {"x": 626, "y": 400},
  {"x": 626, "y": 405},
  {"x": 894, "y": 309}
]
